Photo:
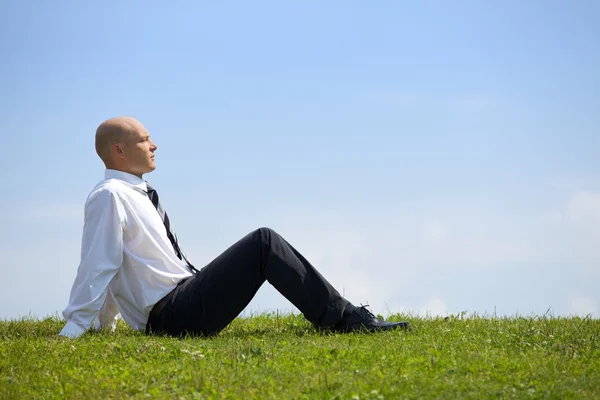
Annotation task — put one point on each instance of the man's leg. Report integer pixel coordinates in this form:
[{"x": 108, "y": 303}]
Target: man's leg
[{"x": 208, "y": 301}]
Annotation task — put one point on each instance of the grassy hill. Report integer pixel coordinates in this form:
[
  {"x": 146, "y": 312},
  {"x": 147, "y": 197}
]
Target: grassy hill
[{"x": 283, "y": 357}]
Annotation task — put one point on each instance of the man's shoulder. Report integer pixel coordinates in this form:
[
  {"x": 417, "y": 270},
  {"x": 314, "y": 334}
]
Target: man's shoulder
[
  {"x": 109, "y": 187},
  {"x": 108, "y": 194}
]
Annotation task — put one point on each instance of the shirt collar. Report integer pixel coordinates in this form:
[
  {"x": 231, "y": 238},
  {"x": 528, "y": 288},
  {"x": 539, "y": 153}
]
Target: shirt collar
[{"x": 126, "y": 177}]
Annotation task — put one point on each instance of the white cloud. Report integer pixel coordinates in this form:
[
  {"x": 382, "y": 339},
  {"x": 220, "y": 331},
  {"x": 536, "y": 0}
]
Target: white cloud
[
  {"x": 433, "y": 231},
  {"x": 583, "y": 235},
  {"x": 551, "y": 219},
  {"x": 583, "y": 210},
  {"x": 52, "y": 211},
  {"x": 373, "y": 260},
  {"x": 571, "y": 184},
  {"x": 379, "y": 257},
  {"x": 40, "y": 280},
  {"x": 434, "y": 307},
  {"x": 582, "y": 307}
]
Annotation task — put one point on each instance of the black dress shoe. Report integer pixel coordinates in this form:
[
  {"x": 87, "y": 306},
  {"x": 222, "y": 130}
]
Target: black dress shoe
[{"x": 362, "y": 319}]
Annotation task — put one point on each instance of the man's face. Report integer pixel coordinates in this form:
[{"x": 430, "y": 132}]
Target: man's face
[{"x": 139, "y": 150}]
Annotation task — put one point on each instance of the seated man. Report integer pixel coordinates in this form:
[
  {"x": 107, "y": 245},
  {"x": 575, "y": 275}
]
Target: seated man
[{"x": 131, "y": 262}]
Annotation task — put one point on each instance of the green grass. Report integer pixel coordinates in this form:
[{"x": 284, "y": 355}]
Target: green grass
[{"x": 283, "y": 357}]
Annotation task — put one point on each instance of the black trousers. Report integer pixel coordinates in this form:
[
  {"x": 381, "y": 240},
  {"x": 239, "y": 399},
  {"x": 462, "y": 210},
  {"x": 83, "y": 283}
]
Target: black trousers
[{"x": 208, "y": 301}]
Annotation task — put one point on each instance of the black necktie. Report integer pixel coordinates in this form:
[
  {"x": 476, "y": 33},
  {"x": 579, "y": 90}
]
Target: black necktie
[{"x": 153, "y": 195}]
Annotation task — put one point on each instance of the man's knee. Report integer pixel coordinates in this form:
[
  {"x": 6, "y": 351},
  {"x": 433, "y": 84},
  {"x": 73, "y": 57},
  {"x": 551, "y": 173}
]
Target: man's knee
[
  {"x": 266, "y": 231},
  {"x": 265, "y": 234}
]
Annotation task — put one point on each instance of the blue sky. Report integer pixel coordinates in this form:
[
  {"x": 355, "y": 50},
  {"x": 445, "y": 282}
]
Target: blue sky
[{"x": 430, "y": 157}]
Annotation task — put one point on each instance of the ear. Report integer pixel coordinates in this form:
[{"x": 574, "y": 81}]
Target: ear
[{"x": 117, "y": 150}]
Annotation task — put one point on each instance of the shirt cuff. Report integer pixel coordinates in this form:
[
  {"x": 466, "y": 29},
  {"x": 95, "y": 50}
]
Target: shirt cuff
[
  {"x": 110, "y": 325},
  {"x": 72, "y": 330}
]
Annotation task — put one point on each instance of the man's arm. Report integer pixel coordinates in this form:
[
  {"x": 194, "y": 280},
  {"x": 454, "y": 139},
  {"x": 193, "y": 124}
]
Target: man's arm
[
  {"x": 101, "y": 258},
  {"x": 107, "y": 317}
]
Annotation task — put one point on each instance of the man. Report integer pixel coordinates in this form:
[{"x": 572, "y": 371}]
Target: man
[{"x": 132, "y": 264}]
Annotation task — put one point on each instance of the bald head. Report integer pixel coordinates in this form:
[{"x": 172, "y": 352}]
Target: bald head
[
  {"x": 124, "y": 144},
  {"x": 114, "y": 131}
]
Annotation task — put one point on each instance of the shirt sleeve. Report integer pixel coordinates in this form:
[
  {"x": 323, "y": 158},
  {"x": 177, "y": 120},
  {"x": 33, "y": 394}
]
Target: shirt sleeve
[
  {"x": 101, "y": 258},
  {"x": 108, "y": 315}
]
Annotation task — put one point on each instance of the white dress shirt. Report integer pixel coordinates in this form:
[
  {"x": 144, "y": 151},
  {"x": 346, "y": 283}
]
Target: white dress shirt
[{"x": 127, "y": 261}]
